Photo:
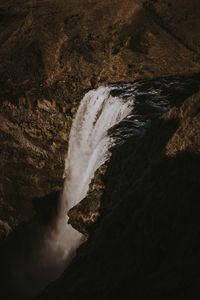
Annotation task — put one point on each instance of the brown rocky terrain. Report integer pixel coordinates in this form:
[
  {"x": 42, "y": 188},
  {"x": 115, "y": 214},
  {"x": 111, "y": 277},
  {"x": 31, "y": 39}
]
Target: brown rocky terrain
[
  {"x": 146, "y": 243},
  {"x": 51, "y": 53}
]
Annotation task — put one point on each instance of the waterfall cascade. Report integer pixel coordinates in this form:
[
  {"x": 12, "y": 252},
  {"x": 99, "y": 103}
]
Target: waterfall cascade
[
  {"x": 106, "y": 117},
  {"x": 89, "y": 146},
  {"x": 89, "y": 141}
]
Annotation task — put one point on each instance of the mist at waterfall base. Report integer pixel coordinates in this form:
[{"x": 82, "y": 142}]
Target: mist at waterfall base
[{"x": 106, "y": 117}]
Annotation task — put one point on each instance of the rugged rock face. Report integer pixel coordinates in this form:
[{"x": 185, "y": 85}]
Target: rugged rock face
[
  {"x": 51, "y": 53},
  {"x": 85, "y": 215}
]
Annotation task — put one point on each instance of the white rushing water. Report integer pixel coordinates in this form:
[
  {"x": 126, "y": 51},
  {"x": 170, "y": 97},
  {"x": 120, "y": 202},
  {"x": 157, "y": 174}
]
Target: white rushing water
[
  {"x": 89, "y": 146},
  {"x": 89, "y": 143}
]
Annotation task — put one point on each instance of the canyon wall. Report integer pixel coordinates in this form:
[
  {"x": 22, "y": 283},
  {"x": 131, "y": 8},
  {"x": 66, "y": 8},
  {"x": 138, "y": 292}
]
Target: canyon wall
[{"x": 146, "y": 242}]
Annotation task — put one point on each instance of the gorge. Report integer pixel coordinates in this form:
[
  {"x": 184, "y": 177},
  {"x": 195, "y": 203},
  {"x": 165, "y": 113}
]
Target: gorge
[{"x": 99, "y": 151}]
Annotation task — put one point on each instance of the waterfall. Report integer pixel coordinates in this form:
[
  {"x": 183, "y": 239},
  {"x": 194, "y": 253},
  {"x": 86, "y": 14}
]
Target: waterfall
[
  {"x": 89, "y": 145},
  {"x": 107, "y": 116},
  {"x": 89, "y": 141}
]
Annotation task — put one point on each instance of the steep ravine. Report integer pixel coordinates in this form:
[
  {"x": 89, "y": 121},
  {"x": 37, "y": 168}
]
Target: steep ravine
[{"x": 145, "y": 245}]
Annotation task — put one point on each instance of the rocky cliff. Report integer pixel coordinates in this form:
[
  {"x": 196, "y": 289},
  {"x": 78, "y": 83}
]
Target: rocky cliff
[{"x": 51, "y": 52}]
